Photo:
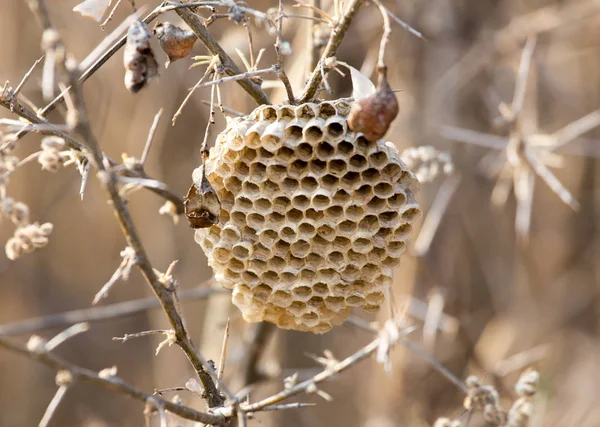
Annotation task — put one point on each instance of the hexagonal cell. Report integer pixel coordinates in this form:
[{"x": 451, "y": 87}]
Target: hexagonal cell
[
  {"x": 294, "y": 216},
  {"x": 354, "y": 213},
  {"x": 268, "y": 237},
  {"x": 256, "y": 220},
  {"x": 231, "y": 156},
  {"x": 376, "y": 204},
  {"x": 364, "y": 146},
  {"x": 335, "y": 129},
  {"x": 221, "y": 254},
  {"x": 270, "y": 278},
  {"x": 258, "y": 172},
  {"x": 302, "y": 293},
  {"x": 284, "y": 155},
  {"x": 329, "y": 182},
  {"x": 265, "y": 155},
  {"x": 362, "y": 245},
  {"x": 300, "y": 249},
  {"x": 277, "y": 263},
  {"x": 304, "y": 151},
  {"x": 320, "y": 245},
  {"x": 379, "y": 159},
  {"x": 298, "y": 169},
  {"x": 396, "y": 201},
  {"x": 375, "y": 297},
  {"x": 371, "y": 176},
  {"x": 383, "y": 190},
  {"x": 262, "y": 206},
  {"x": 324, "y": 151},
  {"x": 396, "y": 248},
  {"x": 272, "y": 136},
  {"x": 313, "y": 131},
  {"x": 243, "y": 204},
  {"x": 318, "y": 167},
  {"x": 335, "y": 303},
  {"x": 236, "y": 265},
  {"x": 316, "y": 302},
  {"x": 306, "y": 230},
  {"x": 231, "y": 275},
  {"x": 238, "y": 218},
  {"x": 250, "y": 277},
  {"x": 285, "y": 113},
  {"x": 281, "y": 298},
  {"x": 388, "y": 218},
  {"x": 320, "y": 201},
  {"x": 370, "y": 271},
  {"x": 341, "y": 290},
  {"x": 250, "y": 189},
  {"x": 269, "y": 188},
  {"x": 357, "y": 163},
  {"x": 337, "y": 167},
  {"x": 354, "y": 301},
  {"x": 257, "y": 265},
  {"x": 329, "y": 276},
  {"x": 262, "y": 292},
  {"x": 314, "y": 216},
  {"x": 411, "y": 214},
  {"x": 288, "y": 234},
  {"x": 296, "y": 263},
  {"x": 371, "y": 308},
  {"x": 301, "y": 202},
  {"x": 327, "y": 232},
  {"x": 341, "y": 244},
  {"x": 281, "y": 204},
  {"x": 261, "y": 251},
  {"x": 320, "y": 289},
  {"x": 268, "y": 113},
  {"x": 310, "y": 319},
  {"x": 276, "y": 173},
  {"x": 230, "y": 234},
  {"x": 369, "y": 225},
  {"x": 305, "y": 112},
  {"x": 275, "y": 220},
  {"x": 254, "y": 133},
  {"x": 347, "y": 227},
  {"x": 293, "y": 131},
  {"x": 308, "y": 184},
  {"x": 325, "y": 110},
  {"x": 334, "y": 213},
  {"x": 307, "y": 275},
  {"x": 315, "y": 260},
  {"x": 391, "y": 172},
  {"x": 233, "y": 184},
  {"x": 336, "y": 259},
  {"x": 363, "y": 194},
  {"x": 281, "y": 247},
  {"x": 344, "y": 149}
]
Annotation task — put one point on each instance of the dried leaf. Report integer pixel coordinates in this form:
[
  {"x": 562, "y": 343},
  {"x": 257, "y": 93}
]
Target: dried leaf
[
  {"x": 202, "y": 206},
  {"x": 373, "y": 115},
  {"x": 94, "y": 9},
  {"x": 174, "y": 41},
  {"x": 138, "y": 58},
  {"x": 362, "y": 86}
]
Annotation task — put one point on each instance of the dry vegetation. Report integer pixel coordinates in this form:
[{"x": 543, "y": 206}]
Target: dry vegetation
[{"x": 494, "y": 314}]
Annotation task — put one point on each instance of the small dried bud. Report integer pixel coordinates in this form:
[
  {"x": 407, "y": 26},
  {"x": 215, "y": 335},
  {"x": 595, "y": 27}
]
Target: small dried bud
[
  {"x": 169, "y": 208},
  {"x": 373, "y": 115},
  {"x": 446, "y": 422},
  {"x": 53, "y": 142},
  {"x": 138, "y": 58},
  {"x": 202, "y": 205},
  {"x": 174, "y": 41},
  {"x": 527, "y": 384},
  {"x": 27, "y": 238},
  {"x": 36, "y": 344},
  {"x": 20, "y": 213},
  {"x": 285, "y": 48},
  {"x": 63, "y": 377},
  {"x": 51, "y": 160},
  {"x": 8, "y": 164},
  {"x": 107, "y": 373}
]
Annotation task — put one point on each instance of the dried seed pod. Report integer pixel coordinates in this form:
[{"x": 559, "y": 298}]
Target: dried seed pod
[
  {"x": 313, "y": 218},
  {"x": 202, "y": 206},
  {"x": 138, "y": 58},
  {"x": 373, "y": 115},
  {"x": 176, "y": 42}
]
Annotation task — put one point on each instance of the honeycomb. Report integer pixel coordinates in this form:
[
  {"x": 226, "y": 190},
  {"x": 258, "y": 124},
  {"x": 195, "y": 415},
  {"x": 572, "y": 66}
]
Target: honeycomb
[{"x": 313, "y": 218}]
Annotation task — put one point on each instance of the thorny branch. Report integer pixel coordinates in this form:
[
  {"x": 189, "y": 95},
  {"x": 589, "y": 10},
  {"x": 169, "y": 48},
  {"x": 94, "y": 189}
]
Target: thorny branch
[
  {"x": 163, "y": 291},
  {"x": 337, "y": 35},
  {"x": 109, "y": 382}
]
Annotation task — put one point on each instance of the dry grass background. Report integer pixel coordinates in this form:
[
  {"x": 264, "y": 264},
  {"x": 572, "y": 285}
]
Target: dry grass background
[{"x": 508, "y": 298}]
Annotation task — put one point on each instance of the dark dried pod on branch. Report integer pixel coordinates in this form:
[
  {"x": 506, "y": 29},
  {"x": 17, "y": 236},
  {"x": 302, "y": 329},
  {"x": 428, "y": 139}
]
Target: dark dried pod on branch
[
  {"x": 140, "y": 63},
  {"x": 202, "y": 206},
  {"x": 373, "y": 115},
  {"x": 176, "y": 42}
]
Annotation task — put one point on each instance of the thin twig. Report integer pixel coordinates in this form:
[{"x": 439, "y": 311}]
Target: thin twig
[
  {"x": 26, "y": 77},
  {"x": 67, "y": 334},
  {"x": 53, "y": 405},
  {"x": 101, "y": 314},
  {"x": 108, "y": 382},
  {"x": 279, "y": 69},
  {"x": 223, "y": 355},
  {"x": 337, "y": 35},
  {"x": 150, "y": 137}
]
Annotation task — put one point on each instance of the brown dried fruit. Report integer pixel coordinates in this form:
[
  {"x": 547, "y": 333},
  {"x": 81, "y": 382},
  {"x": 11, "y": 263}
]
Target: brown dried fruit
[
  {"x": 174, "y": 41},
  {"x": 202, "y": 206},
  {"x": 373, "y": 115},
  {"x": 139, "y": 61}
]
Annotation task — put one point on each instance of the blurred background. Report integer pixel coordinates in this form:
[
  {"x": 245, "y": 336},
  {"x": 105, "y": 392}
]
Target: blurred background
[{"x": 508, "y": 304}]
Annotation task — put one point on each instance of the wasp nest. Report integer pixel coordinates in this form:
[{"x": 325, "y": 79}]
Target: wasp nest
[{"x": 313, "y": 218}]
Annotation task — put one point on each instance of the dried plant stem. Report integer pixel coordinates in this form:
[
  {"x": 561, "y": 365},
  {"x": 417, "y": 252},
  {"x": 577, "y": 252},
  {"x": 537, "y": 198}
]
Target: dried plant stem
[
  {"x": 26, "y": 77},
  {"x": 111, "y": 383},
  {"x": 51, "y": 409},
  {"x": 109, "y": 180},
  {"x": 315, "y": 51},
  {"x": 195, "y": 23},
  {"x": 337, "y": 35},
  {"x": 387, "y": 30},
  {"x": 101, "y": 314},
  {"x": 279, "y": 68}
]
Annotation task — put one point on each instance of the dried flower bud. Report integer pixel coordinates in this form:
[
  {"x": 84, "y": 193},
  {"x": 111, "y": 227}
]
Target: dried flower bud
[
  {"x": 174, "y": 41},
  {"x": 446, "y": 422},
  {"x": 202, "y": 206},
  {"x": 8, "y": 164},
  {"x": 20, "y": 213},
  {"x": 64, "y": 377},
  {"x": 53, "y": 142},
  {"x": 27, "y": 238},
  {"x": 36, "y": 344},
  {"x": 373, "y": 115},
  {"x": 51, "y": 160},
  {"x": 169, "y": 208},
  {"x": 138, "y": 59}
]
